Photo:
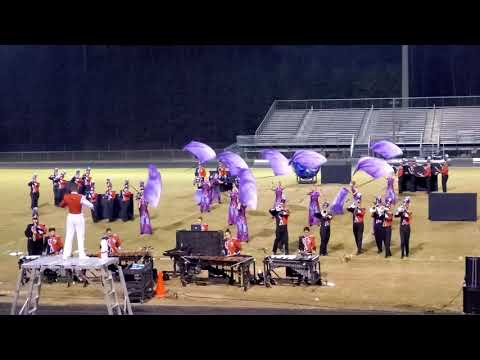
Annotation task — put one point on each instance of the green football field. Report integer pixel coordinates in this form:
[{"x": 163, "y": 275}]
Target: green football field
[{"x": 431, "y": 279}]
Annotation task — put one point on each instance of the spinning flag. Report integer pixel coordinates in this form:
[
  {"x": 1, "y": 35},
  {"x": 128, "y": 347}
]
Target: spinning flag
[
  {"x": 233, "y": 161},
  {"x": 387, "y": 149},
  {"x": 247, "y": 189},
  {"x": 153, "y": 188},
  {"x": 278, "y": 162},
  {"x": 306, "y": 163},
  {"x": 337, "y": 205},
  {"x": 374, "y": 167},
  {"x": 201, "y": 151}
]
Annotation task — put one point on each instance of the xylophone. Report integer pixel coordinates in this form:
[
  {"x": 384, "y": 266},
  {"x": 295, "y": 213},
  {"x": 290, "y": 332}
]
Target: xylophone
[{"x": 302, "y": 267}]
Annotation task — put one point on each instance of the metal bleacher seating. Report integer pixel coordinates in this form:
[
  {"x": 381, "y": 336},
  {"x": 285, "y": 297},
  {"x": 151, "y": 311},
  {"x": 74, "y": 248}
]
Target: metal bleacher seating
[
  {"x": 284, "y": 122},
  {"x": 460, "y": 125}
]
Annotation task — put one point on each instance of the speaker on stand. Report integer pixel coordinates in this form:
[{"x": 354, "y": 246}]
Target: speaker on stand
[{"x": 471, "y": 290}]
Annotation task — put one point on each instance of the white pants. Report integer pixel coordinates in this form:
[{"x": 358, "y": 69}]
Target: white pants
[{"x": 75, "y": 224}]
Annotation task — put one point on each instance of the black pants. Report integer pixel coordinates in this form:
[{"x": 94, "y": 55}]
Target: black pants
[
  {"x": 358, "y": 234},
  {"x": 428, "y": 183},
  {"x": 281, "y": 239},
  {"x": 34, "y": 196},
  {"x": 57, "y": 195},
  {"x": 124, "y": 210},
  {"x": 379, "y": 235},
  {"x": 324, "y": 238},
  {"x": 387, "y": 237},
  {"x": 405, "y": 239},
  {"x": 444, "y": 182},
  {"x": 34, "y": 247}
]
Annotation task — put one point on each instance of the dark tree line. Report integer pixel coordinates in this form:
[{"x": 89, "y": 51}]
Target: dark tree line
[{"x": 152, "y": 96}]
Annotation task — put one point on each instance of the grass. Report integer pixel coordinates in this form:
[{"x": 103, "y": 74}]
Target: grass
[{"x": 429, "y": 280}]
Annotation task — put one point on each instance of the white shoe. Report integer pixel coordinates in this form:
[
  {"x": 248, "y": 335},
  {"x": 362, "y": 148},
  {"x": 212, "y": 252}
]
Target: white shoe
[
  {"x": 66, "y": 257},
  {"x": 83, "y": 257}
]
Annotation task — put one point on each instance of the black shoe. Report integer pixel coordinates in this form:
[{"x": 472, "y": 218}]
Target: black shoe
[
  {"x": 359, "y": 252},
  {"x": 401, "y": 257},
  {"x": 379, "y": 251}
]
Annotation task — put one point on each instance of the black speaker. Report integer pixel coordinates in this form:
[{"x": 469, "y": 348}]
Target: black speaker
[
  {"x": 340, "y": 173},
  {"x": 452, "y": 206},
  {"x": 209, "y": 243},
  {"x": 471, "y": 300},
  {"x": 472, "y": 272}
]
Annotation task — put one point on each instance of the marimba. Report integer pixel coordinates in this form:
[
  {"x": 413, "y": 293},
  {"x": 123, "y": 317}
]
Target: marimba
[{"x": 302, "y": 267}]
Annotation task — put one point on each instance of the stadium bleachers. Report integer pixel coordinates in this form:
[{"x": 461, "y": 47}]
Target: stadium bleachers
[
  {"x": 333, "y": 128},
  {"x": 460, "y": 125}
]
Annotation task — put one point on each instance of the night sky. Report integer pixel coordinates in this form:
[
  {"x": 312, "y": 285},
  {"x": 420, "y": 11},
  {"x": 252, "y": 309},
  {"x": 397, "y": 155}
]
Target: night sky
[{"x": 163, "y": 96}]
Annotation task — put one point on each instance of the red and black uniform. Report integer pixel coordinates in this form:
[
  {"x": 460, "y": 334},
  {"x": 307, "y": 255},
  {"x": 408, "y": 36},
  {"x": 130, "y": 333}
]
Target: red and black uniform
[
  {"x": 378, "y": 230},
  {"x": 325, "y": 220},
  {"x": 232, "y": 247},
  {"x": 114, "y": 244},
  {"x": 202, "y": 172},
  {"x": 34, "y": 193},
  {"x": 92, "y": 196},
  {"x": 87, "y": 183},
  {"x": 444, "y": 172},
  {"x": 307, "y": 244},
  {"x": 387, "y": 231},
  {"x": 281, "y": 232},
  {"x": 405, "y": 220},
  {"x": 55, "y": 178},
  {"x": 54, "y": 244},
  {"x": 108, "y": 204},
  {"x": 401, "y": 178},
  {"x": 35, "y": 238},
  {"x": 204, "y": 227},
  {"x": 126, "y": 205},
  {"x": 358, "y": 216},
  {"x": 427, "y": 172},
  {"x": 62, "y": 188}
]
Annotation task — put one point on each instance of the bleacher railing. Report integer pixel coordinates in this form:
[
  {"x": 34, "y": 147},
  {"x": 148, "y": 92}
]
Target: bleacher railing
[{"x": 378, "y": 103}]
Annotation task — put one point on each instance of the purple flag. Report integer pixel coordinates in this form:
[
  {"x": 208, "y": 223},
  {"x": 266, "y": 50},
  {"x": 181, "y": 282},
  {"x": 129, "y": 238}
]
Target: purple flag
[
  {"x": 153, "y": 188},
  {"x": 337, "y": 205},
  {"x": 201, "y": 151},
  {"x": 308, "y": 159},
  {"x": 387, "y": 149},
  {"x": 374, "y": 167},
  {"x": 278, "y": 162},
  {"x": 247, "y": 189},
  {"x": 233, "y": 161}
]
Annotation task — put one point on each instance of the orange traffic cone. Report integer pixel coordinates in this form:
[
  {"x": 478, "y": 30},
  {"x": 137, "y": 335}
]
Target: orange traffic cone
[{"x": 160, "y": 291}]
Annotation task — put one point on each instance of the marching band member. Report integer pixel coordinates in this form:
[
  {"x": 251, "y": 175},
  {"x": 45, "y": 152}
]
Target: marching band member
[
  {"x": 412, "y": 183},
  {"x": 233, "y": 206},
  {"x": 92, "y": 196},
  {"x": 87, "y": 180},
  {"x": 405, "y": 220},
  {"x": 427, "y": 173},
  {"x": 281, "y": 214},
  {"x": 202, "y": 173},
  {"x": 77, "y": 179},
  {"x": 306, "y": 242},
  {"x": 34, "y": 186},
  {"x": 232, "y": 246},
  {"x": 145, "y": 225},
  {"x": 205, "y": 197},
  {"x": 108, "y": 202},
  {"x": 55, "y": 179},
  {"x": 113, "y": 241},
  {"x": 325, "y": 219},
  {"x": 125, "y": 202},
  {"x": 358, "y": 215},
  {"x": 75, "y": 221},
  {"x": 444, "y": 172},
  {"x": 242, "y": 227},
  {"x": 387, "y": 227},
  {"x": 35, "y": 233},
  {"x": 54, "y": 243},
  {"x": 313, "y": 207},
  {"x": 203, "y": 225},
  {"x": 401, "y": 177},
  {"x": 215, "y": 192},
  {"x": 62, "y": 186},
  {"x": 278, "y": 190},
  {"x": 377, "y": 211}
]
